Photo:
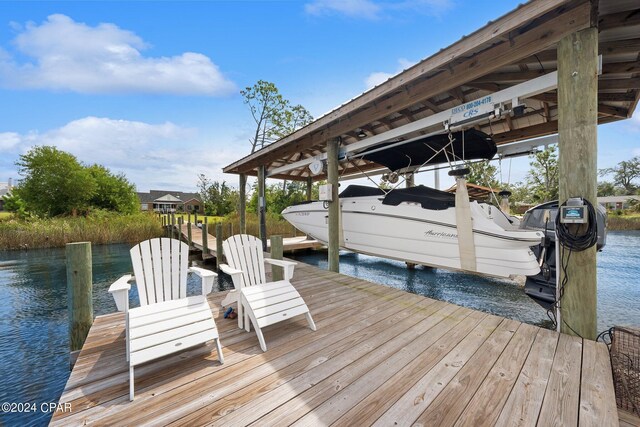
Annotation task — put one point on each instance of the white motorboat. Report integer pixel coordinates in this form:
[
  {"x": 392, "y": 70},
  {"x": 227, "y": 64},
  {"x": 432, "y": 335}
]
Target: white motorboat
[
  {"x": 424, "y": 226},
  {"x": 418, "y": 225}
]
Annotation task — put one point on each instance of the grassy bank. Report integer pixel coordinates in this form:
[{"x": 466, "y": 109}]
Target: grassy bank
[
  {"x": 276, "y": 226},
  {"x": 98, "y": 228},
  {"x": 623, "y": 222}
]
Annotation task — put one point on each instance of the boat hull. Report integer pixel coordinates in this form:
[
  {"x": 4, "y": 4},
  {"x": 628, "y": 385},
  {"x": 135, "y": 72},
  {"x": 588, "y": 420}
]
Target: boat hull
[{"x": 408, "y": 232}]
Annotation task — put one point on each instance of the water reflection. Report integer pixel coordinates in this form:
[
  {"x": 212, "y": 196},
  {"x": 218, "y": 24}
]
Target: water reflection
[{"x": 34, "y": 348}]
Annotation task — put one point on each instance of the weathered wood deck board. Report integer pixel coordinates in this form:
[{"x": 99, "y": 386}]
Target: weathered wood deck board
[{"x": 379, "y": 356}]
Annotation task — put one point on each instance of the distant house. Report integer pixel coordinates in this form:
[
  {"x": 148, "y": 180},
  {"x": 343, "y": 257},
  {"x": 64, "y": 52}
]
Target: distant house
[
  {"x": 170, "y": 201},
  {"x": 617, "y": 202},
  {"x": 5, "y": 188}
]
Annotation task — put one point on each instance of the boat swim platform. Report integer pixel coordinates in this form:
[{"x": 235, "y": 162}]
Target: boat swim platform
[
  {"x": 380, "y": 356},
  {"x": 289, "y": 244}
]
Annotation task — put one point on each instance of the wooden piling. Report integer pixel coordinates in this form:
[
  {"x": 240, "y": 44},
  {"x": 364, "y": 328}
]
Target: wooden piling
[
  {"x": 334, "y": 206},
  {"x": 309, "y": 188},
  {"x": 219, "y": 239},
  {"x": 262, "y": 206},
  {"x": 180, "y": 222},
  {"x": 577, "y": 142},
  {"x": 243, "y": 203},
  {"x": 79, "y": 292},
  {"x": 277, "y": 272},
  {"x": 205, "y": 239},
  {"x": 189, "y": 236}
]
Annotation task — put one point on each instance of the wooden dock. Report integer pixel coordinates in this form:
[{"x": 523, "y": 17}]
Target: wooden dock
[
  {"x": 289, "y": 243},
  {"x": 380, "y": 356}
]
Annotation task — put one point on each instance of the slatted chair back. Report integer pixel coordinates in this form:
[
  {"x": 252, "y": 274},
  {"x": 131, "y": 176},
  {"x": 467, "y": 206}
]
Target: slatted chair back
[
  {"x": 244, "y": 252},
  {"x": 160, "y": 270}
]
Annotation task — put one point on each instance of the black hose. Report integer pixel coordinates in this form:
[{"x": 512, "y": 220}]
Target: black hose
[{"x": 573, "y": 241}]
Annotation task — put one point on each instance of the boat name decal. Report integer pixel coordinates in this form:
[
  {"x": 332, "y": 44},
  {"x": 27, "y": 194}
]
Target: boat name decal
[
  {"x": 302, "y": 213},
  {"x": 431, "y": 233}
]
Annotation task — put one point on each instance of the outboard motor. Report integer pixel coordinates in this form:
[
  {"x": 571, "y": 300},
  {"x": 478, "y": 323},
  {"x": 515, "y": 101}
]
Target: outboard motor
[{"x": 542, "y": 287}]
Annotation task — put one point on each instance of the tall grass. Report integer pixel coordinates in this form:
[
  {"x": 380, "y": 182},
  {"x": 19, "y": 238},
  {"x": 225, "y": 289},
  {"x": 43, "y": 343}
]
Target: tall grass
[
  {"x": 98, "y": 228},
  {"x": 615, "y": 222},
  {"x": 276, "y": 226}
]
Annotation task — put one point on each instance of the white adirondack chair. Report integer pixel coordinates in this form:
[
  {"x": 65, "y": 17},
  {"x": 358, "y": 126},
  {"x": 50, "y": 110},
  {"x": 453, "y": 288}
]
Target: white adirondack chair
[
  {"x": 261, "y": 302},
  {"x": 167, "y": 321}
]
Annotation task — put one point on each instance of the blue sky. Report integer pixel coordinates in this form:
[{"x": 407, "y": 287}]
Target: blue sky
[{"x": 151, "y": 89}]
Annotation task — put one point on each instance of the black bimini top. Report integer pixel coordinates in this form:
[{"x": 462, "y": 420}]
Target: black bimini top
[
  {"x": 477, "y": 145},
  {"x": 428, "y": 198}
]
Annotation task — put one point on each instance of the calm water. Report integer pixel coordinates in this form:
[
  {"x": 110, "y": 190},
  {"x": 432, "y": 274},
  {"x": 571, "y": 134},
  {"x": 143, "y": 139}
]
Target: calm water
[
  {"x": 34, "y": 345},
  {"x": 34, "y": 351}
]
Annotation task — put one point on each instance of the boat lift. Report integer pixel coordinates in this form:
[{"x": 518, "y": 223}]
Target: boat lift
[{"x": 489, "y": 107}]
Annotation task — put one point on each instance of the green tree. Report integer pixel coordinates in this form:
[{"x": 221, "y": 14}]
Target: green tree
[
  {"x": 606, "y": 188},
  {"x": 113, "y": 192},
  {"x": 278, "y": 199},
  {"x": 543, "y": 175},
  {"x": 54, "y": 182},
  {"x": 218, "y": 197},
  {"x": 625, "y": 174},
  {"x": 482, "y": 173},
  {"x": 272, "y": 113},
  {"x": 13, "y": 203}
]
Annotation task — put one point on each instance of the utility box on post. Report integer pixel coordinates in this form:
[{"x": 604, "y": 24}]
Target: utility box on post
[{"x": 324, "y": 193}]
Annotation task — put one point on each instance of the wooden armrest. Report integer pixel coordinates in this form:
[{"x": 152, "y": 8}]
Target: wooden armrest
[
  {"x": 287, "y": 266},
  {"x": 207, "y": 277},
  {"x": 120, "y": 292}
]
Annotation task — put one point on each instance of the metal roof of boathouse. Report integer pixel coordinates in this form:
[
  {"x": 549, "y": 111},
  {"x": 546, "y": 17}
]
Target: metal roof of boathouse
[{"x": 515, "y": 48}]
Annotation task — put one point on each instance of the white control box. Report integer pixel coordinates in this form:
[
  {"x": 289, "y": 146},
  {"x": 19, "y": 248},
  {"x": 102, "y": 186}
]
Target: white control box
[{"x": 324, "y": 192}]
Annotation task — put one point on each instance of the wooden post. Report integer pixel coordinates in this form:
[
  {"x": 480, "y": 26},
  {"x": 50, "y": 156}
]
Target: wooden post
[
  {"x": 577, "y": 142},
  {"x": 262, "y": 207},
  {"x": 309, "y": 188},
  {"x": 180, "y": 222},
  {"x": 334, "y": 206},
  {"x": 218, "y": 245},
  {"x": 195, "y": 218},
  {"x": 243, "y": 203},
  {"x": 173, "y": 225},
  {"x": 205, "y": 239},
  {"x": 189, "y": 236},
  {"x": 79, "y": 292},
  {"x": 276, "y": 253},
  {"x": 188, "y": 217}
]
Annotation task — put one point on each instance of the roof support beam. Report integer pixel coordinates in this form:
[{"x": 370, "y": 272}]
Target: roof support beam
[{"x": 510, "y": 95}]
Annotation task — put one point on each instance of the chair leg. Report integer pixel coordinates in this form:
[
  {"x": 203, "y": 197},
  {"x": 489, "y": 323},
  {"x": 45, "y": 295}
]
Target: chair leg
[
  {"x": 220, "y": 356},
  {"x": 247, "y": 322},
  {"x": 130, "y": 382},
  {"x": 240, "y": 312},
  {"x": 263, "y": 345},
  {"x": 312, "y": 325}
]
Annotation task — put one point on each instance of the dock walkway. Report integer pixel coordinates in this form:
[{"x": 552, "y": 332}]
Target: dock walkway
[
  {"x": 288, "y": 243},
  {"x": 380, "y": 356}
]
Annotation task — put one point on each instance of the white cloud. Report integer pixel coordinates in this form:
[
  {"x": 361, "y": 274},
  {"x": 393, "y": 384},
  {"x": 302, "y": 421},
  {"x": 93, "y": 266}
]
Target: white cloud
[
  {"x": 9, "y": 140},
  {"x": 68, "y": 55},
  {"x": 379, "y": 77},
  {"x": 150, "y": 155},
  {"x": 372, "y": 10}
]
